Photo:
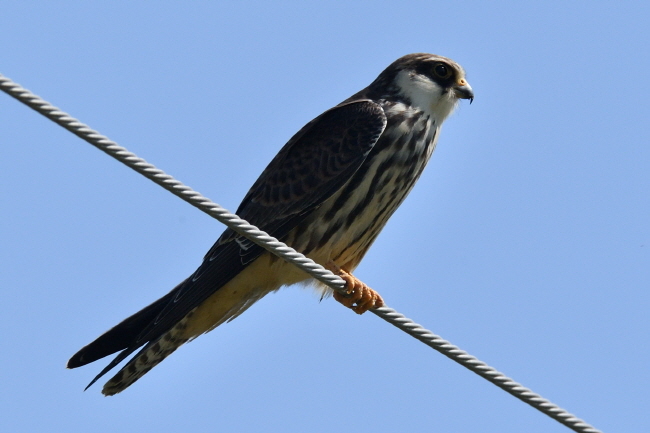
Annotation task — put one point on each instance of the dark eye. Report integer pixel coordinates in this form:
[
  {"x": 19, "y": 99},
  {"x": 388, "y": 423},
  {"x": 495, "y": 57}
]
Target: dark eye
[{"x": 441, "y": 71}]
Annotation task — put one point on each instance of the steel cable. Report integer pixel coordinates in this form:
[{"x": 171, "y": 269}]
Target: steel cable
[{"x": 282, "y": 250}]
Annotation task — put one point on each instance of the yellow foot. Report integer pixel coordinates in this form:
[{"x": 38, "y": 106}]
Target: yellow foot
[{"x": 358, "y": 297}]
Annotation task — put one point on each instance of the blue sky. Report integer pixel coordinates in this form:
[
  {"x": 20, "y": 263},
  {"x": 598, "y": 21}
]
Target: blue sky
[{"x": 526, "y": 242}]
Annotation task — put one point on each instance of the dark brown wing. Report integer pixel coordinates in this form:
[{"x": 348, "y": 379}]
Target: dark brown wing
[{"x": 314, "y": 164}]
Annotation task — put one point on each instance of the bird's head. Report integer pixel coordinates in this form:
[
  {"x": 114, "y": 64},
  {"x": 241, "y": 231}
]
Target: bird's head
[{"x": 429, "y": 82}]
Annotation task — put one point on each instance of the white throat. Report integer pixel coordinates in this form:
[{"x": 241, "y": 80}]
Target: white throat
[{"x": 426, "y": 95}]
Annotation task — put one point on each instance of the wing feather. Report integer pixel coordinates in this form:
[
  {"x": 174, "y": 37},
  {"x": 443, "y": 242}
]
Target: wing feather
[{"x": 312, "y": 166}]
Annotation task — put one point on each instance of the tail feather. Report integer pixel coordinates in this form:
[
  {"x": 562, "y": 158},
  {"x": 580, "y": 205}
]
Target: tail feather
[
  {"x": 183, "y": 314},
  {"x": 121, "y": 336},
  {"x": 151, "y": 355}
]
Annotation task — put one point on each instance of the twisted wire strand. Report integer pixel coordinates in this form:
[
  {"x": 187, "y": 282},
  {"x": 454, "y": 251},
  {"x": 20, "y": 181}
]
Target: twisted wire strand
[{"x": 287, "y": 253}]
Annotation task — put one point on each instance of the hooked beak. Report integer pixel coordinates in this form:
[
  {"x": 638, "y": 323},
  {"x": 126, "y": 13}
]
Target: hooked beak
[{"x": 463, "y": 90}]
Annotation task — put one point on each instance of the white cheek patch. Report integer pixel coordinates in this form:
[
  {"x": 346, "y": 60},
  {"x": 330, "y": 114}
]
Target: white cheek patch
[{"x": 426, "y": 95}]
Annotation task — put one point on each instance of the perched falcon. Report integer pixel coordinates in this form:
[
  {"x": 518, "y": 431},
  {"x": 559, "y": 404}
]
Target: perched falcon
[{"x": 327, "y": 193}]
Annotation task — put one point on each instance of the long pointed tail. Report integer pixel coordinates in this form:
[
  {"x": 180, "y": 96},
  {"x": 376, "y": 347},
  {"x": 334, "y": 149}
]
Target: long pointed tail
[{"x": 151, "y": 355}]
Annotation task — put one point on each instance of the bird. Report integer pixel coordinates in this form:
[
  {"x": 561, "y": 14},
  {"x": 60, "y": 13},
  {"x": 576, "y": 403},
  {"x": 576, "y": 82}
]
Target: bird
[{"x": 328, "y": 193}]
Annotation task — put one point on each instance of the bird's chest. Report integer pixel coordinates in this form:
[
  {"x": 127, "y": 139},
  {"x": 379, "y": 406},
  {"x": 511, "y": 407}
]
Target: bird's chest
[
  {"x": 391, "y": 171},
  {"x": 351, "y": 219}
]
